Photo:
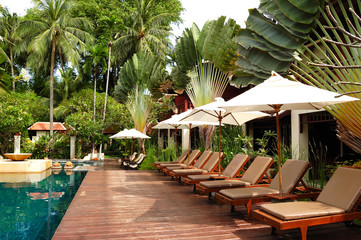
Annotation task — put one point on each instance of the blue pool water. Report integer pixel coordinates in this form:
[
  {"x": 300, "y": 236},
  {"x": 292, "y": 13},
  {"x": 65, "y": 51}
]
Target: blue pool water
[{"x": 33, "y": 210}]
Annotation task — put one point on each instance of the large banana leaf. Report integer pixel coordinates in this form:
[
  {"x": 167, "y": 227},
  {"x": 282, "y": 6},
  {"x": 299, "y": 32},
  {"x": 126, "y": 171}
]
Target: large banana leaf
[
  {"x": 272, "y": 10},
  {"x": 294, "y": 13},
  {"x": 309, "y": 6},
  {"x": 270, "y": 31},
  {"x": 263, "y": 60}
]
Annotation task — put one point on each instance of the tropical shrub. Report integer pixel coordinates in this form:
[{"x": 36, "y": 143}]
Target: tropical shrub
[{"x": 18, "y": 111}]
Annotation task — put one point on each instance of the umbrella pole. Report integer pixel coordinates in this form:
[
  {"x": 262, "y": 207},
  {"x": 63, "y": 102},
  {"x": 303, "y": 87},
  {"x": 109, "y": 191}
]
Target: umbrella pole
[
  {"x": 189, "y": 140},
  {"x": 219, "y": 144},
  {"x": 277, "y": 109},
  {"x": 175, "y": 143}
]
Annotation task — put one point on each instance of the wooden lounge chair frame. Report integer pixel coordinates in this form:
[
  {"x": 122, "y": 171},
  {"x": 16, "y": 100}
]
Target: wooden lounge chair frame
[
  {"x": 190, "y": 164},
  {"x": 248, "y": 202},
  {"x": 304, "y": 223},
  {"x": 180, "y": 159},
  {"x": 188, "y": 181},
  {"x": 213, "y": 170},
  {"x": 204, "y": 190}
]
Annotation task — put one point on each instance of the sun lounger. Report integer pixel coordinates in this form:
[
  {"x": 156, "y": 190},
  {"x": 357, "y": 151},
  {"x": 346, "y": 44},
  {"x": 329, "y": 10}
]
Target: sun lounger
[
  {"x": 200, "y": 162},
  {"x": 253, "y": 176},
  {"x": 338, "y": 202},
  {"x": 180, "y": 159},
  {"x": 130, "y": 159},
  {"x": 292, "y": 174},
  {"x": 187, "y": 163},
  {"x": 136, "y": 163},
  {"x": 232, "y": 170},
  {"x": 209, "y": 166}
]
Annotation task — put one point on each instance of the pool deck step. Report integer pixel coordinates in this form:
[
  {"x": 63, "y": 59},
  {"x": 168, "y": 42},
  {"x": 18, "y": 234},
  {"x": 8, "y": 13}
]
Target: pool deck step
[{"x": 119, "y": 204}]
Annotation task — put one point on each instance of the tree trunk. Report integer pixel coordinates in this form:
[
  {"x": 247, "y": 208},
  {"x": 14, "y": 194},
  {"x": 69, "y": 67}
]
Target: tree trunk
[
  {"x": 52, "y": 85},
  {"x": 206, "y": 133},
  {"x": 61, "y": 58},
  {"x": 12, "y": 65},
  {"x": 107, "y": 84},
  {"x": 95, "y": 91}
]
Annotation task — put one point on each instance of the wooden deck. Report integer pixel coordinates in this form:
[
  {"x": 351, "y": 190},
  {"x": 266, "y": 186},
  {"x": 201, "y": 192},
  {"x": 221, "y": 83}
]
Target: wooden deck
[{"x": 118, "y": 204}]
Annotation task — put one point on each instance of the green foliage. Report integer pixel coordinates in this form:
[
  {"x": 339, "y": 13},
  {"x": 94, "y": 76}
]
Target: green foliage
[
  {"x": 147, "y": 28},
  {"x": 152, "y": 156},
  {"x": 274, "y": 31},
  {"x": 215, "y": 43},
  {"x": 42, "y": 147},
  {"x": 234, "y": 141},
  {"x": 328, "y": 62},
  {"x": 319, "y": 172},
  {"x": 17, "y": 112},
  {"x": 78, "y": 113},
  {"x": 144, "y": 70},
  {"x": 166, "y": 155}
]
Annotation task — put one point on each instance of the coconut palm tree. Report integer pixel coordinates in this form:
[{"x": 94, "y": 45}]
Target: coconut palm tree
[
  {"x": 96, "y": 61},
  {"x": 147, "y": 31},
  {"x": 55, "y": 27},
  {"x": 9, "y": 35}
]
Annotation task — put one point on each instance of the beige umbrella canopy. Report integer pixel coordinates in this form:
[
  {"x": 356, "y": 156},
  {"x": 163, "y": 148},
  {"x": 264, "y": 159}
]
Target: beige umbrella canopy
[
  {"x": 212, "y": 113},
  {"x": 278, "y": 93}
]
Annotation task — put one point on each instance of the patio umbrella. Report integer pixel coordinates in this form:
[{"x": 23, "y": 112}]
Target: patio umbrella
[
  {"x": 175, "y": 123},
  {"x": 212, "y": 113},
  {"x": 278, "y": 93},
  {"x": 129, "y": 134}
]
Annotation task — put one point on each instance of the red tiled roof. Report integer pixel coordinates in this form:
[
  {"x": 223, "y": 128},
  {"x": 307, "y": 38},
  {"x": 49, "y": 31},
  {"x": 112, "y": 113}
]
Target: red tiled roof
[{"x": 45, "y": 126}]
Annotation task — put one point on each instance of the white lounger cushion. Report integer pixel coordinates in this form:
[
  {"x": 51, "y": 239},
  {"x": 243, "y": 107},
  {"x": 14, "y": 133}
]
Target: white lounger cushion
[{"x": 299, "y": 210}]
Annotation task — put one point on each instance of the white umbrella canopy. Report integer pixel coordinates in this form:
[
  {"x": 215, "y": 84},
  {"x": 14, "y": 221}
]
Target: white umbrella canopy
[
  {"x": 278, "y": 93},
  {"x": 212, "y": 113},
  {"x": 129, "y": 134}
]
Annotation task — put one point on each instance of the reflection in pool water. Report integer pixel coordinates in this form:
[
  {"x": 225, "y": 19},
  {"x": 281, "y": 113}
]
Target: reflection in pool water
[{"x": 32, "y": 206}]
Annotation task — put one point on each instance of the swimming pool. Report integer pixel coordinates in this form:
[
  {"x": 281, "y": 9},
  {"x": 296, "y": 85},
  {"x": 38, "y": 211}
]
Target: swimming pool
[{"x": 32, "y": 206}]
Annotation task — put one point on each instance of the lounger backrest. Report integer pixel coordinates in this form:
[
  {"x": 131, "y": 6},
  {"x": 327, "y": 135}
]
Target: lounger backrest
[
  {"x": 139, "y": 157},
  {"x": 202, "y": 159},
  {"x": 182, "y": 157},
  {"x": 343, "y": 189},
  {"x": 257, "y": 169},
  {"x": 235, "y": 165},
  {"x": 192, "y": 156},
  {"x": 132, "y": 157},
  {"x": 292, "y": 171},
  {"x": 212, "y": 161}
]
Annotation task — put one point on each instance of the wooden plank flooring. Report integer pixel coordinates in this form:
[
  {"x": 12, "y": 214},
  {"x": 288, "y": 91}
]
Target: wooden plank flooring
[{"x": 118, "y": 204}]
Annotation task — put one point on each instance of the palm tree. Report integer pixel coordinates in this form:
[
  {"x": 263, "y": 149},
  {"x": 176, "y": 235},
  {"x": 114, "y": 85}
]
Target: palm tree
[
  {"x": 8, "y": 25},
  {"x": 55, "y": 27},
  {"x": 96, "y": 62},
  {"x": 147, "y": 32}
]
